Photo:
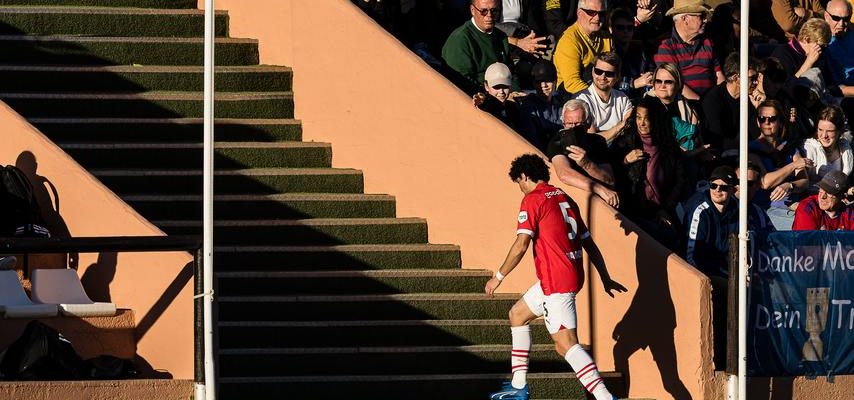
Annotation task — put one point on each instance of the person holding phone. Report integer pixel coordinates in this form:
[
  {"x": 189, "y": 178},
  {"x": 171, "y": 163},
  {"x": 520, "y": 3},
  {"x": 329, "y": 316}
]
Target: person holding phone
[{"x": 580, "y": 158}]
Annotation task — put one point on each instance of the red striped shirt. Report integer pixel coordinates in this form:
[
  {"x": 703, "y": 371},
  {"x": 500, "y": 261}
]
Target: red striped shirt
[{"x": 697, "y": 62}]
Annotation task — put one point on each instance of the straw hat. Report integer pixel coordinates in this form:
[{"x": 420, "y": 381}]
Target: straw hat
[{"x": 688, "y": 7}]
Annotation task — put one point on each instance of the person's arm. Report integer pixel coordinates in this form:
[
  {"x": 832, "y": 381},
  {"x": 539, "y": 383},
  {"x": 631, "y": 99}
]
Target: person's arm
[
  {"x": 796, "y": 167},
  {"x": 786, "y": 16},
  {"x": 530, "y": 44},
  {"x": 611, "y": 134},
  {"x": 847, "y": 91},
  {"x": 696, "y": 252},
  {"x": 813, "y": 53},
  {"x": 599, "y": 172},
  {"x": 514, "y": 255},
  {"x": 599, "y": 263},
  {"x": 571, "y": 177}
]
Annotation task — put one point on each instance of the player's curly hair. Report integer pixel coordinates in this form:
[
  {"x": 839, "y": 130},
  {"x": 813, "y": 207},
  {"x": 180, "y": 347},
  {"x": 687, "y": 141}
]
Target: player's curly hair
[{"x": 532, "y": 166}]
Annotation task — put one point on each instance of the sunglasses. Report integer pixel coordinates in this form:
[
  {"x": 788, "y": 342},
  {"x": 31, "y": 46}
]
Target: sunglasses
[
  {"x": 754, "y": 79},
  {"x": 484, "y": 11},
  {"x": 593, "y": 13},
  {"x": 624, "y": 28},
  {"x": 772, "y": 119},
  {"x": 722, "y": 188},
  {"x": 608, "y": 74},
  {"x": 663, "y": 82},
  {"x": 836, "y": 18}
]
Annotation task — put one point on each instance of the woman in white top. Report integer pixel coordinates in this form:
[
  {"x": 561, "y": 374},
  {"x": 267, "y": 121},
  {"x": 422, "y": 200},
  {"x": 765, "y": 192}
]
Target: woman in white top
[{"x": 828, "y": 150}]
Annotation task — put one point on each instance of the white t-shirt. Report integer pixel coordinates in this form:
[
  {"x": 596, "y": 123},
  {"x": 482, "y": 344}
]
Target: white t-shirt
[{"x": 605, "y": 115}]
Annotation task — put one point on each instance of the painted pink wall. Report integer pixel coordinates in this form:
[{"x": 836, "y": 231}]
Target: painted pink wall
[
  {"x": 90, "y": 209},
  {"x": 419, "y": 138}
]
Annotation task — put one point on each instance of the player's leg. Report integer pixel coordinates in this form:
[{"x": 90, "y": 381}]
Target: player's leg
[
  {"x": 561, "y": 323},
  {"x": 528, "y": 308}
]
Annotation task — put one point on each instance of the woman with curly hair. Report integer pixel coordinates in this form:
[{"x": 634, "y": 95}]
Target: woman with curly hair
[{"x": 648, "y": 171}]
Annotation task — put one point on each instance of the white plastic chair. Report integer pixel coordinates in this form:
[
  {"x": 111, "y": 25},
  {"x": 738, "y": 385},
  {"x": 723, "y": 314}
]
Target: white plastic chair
[
  {"x": 63, "y": 288},
  {"x": 14, "y": 302}
]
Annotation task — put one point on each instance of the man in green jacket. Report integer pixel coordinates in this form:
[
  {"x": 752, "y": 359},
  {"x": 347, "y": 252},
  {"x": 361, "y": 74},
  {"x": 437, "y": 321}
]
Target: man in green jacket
[{"x": 476, "y": 45}]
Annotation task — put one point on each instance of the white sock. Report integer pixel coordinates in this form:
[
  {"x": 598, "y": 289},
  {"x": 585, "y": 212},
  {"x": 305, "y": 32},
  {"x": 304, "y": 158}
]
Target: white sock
[
  {"x": 587, "y": 373},
  {"x": 519, "y": 356}
]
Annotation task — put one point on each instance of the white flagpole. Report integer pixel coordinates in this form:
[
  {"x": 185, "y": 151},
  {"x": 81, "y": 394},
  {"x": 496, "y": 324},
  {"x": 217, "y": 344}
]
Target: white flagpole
[
  {"x": 742, "y": 201},
  {"x": 207, "y": 208}
]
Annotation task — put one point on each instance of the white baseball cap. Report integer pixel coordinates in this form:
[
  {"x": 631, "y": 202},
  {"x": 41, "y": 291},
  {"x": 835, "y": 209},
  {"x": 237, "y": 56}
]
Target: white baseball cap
[{"x": 497, "y": 74}]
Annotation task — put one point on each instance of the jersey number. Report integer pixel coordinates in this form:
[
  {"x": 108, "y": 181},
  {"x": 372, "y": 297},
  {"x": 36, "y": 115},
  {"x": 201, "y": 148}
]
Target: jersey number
[{"x": 564, "y": 209}]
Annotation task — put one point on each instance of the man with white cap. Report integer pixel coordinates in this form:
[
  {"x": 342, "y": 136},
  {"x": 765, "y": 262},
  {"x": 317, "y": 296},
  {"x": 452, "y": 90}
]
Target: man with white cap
[
  {"x": 498, "y": 100},
  {"x": 690, "y": 49}
]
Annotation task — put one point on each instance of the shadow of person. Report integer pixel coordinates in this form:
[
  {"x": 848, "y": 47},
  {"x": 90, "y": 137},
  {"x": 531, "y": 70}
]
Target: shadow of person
[
  {"x": 650, "y": 319},
  {"x": 47, "y": 198},
  {"x": 97, "y": 278}
]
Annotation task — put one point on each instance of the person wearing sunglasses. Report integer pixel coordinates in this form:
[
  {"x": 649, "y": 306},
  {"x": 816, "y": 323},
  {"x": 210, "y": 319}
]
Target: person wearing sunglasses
[
  {"x": 636, "y": 65},
  {"x": 690, "y": 49},
  {"x": 826, "y": 210},
  {"x": 474, "y": 46},
  {"x": 580, "y": 44},
  {"x": 609, "y": 107},
  {"x": 840, "y": 52},
  {"x": 710, "y": 222}
]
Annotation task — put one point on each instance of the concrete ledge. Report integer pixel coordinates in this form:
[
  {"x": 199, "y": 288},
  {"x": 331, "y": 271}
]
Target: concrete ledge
[{"x": 160, "y": 389}]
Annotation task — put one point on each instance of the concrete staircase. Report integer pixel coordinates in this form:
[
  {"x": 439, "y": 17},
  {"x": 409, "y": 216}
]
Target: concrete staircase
[{"x": 323, "y": 293}]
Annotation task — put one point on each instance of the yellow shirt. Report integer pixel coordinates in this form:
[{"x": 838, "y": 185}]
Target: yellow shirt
[{"x": 575, "y": 52}]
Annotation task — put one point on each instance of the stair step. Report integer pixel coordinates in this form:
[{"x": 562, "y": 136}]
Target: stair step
[
  {"x": 256, "y": 181},
  {"x": 306, "y": 231},
  {"x": 150, "y": 104},
  {"x": 337, "y": 258},
  {"x": 283, "y": 206},
  {"x": 281, "y": 283},
  {"x": 227, "y": 155},
  {"x": 367, "y": 333},
  {"x": 175, "y": 4},
  {"x": 415, "y": 387},
  {"x": 133, "y": 79},
  {"x": 358, "y": 307},
  {"x": 99, "y": 50},
  {"x": 250, "y": 362},
  {"x": 112, "y": 21},
  {"x": 166, "y": 129}
]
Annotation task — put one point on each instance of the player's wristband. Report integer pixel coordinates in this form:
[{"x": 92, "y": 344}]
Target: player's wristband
[{"x": 499, "y": 276}]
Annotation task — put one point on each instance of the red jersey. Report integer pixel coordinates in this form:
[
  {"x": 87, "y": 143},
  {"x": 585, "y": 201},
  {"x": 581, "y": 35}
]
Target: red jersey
[
  {"x": 554, "y": 222},
  {"x": 809, "y": 217}
]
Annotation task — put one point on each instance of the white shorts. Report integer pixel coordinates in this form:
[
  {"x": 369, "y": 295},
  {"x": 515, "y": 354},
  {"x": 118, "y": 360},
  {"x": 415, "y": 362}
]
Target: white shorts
[{"x": 557, "y": 309}]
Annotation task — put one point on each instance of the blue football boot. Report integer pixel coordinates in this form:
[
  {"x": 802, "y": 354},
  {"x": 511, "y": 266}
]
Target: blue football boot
[{"x": 508, "y": 392}]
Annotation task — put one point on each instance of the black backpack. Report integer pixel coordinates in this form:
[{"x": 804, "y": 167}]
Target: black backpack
[{"x": 19, "y": 212}]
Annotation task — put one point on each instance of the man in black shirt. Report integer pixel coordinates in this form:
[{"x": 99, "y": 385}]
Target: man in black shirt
[
  {"x": 721, "y": 108},
  {"x": 582, "y": 161}
]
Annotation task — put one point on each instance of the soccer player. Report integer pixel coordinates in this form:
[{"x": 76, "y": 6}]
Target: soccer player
[{"x": 550, "y": 219}]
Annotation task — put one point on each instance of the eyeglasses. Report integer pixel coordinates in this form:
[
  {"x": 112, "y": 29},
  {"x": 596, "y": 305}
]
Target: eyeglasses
[
  {"x": 722, "y": 188},
  {"x": 608, "y": 74},
  {"x": 484, "y": 11},
  {"x": 624, "y": 28},
  {"x": 836, "y": 18},
  {"x": 702, "y": 17},
  {"x": 770, "y": 119},
  {"x": 593, "y": 13},
  {"x": 663, "y": 82}
]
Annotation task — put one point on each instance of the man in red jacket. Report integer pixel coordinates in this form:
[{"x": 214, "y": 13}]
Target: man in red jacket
[{"x": 826, "y": 211}]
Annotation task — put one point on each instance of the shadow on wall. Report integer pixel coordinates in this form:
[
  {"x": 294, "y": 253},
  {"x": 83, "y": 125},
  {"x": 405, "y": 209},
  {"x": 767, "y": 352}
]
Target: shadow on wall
[
  {"x": 47, "y": 199},
  {"x": 651, "y": 318}
]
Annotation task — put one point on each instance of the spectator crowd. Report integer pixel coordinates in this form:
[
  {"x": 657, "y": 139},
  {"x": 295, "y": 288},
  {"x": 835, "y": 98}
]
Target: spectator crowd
[{"x": 637, "y": 101}]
